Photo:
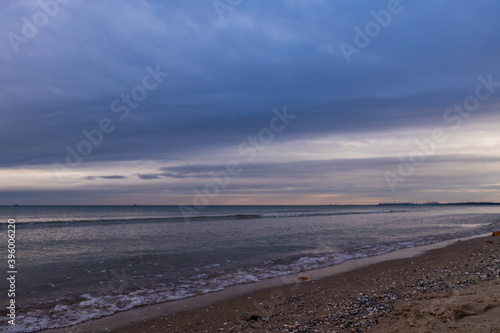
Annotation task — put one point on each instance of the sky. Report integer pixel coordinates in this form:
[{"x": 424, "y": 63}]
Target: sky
[{"x": 249, "y": 102}]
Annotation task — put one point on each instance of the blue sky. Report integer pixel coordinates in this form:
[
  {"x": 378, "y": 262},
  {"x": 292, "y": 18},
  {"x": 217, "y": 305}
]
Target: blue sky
[{"x": 147, "y": 102}]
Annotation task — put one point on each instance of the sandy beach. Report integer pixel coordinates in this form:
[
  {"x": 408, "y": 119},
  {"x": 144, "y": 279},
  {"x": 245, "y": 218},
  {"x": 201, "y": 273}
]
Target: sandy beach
[{"x": 455, "y": 288}]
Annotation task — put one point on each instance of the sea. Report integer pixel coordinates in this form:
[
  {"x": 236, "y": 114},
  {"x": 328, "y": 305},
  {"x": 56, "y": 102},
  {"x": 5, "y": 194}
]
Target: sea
[{"x": 76, "y": 263}]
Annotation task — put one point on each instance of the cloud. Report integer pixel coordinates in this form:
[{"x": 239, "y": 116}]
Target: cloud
[
  {"x": 104, "y": 177},
  {"x": 227, "y": 76},
  {"x": 441, "y": 178},
  {"x": 149, "y": 176},
  {"x": 363, "y": 176},
  {"x": 112, "y": 177}
]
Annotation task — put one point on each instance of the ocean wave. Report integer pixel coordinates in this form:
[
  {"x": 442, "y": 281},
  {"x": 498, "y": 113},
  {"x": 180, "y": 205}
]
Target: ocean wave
[
  {"x": 87, "y": 306},
  {"x": 195, "y": 218}
]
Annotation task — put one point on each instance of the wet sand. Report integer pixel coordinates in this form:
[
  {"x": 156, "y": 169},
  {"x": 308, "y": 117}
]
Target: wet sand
[{"x": 455, "y": 288}]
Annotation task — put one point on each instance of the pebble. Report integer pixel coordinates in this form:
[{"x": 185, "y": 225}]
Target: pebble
[{"x": 364, "y": 310}]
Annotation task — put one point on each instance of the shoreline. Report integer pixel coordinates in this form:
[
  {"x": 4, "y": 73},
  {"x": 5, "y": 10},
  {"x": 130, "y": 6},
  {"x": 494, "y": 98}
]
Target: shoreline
[{"x": 178, "y": 313}]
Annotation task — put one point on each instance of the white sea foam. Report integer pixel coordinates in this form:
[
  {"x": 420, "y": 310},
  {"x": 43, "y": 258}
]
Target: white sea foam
[{"x": 92, "y": 307}]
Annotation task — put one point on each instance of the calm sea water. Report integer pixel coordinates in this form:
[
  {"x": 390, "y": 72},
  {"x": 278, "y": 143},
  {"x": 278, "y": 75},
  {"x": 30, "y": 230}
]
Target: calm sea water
[{"x": 81, "y": 262}]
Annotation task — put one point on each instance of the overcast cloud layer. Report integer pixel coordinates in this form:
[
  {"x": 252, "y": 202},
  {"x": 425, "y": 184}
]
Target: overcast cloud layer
[{"x": 209, "y": 75}]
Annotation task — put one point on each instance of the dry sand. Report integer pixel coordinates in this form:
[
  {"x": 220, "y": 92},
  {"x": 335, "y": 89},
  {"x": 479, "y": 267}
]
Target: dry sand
[
  {"x": 474, "y": 309},
  {"x": 452, "y": 289}
]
